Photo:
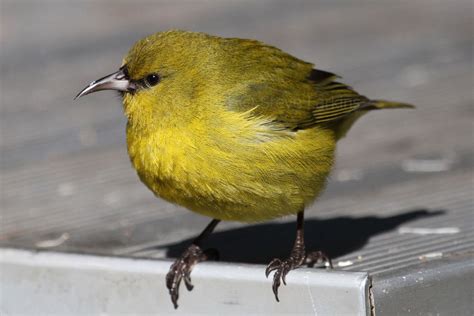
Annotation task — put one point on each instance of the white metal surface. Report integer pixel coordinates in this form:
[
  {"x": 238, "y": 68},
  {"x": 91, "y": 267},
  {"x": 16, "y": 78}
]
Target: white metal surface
[{"x": 46, "y": 283}]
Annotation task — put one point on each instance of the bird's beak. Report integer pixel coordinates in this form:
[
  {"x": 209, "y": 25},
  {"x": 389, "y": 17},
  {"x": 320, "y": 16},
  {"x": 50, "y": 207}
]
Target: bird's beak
[{"x": 118, "y": 81}]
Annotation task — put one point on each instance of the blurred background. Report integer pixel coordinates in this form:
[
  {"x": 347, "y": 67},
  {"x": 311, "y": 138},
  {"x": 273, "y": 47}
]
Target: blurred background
[{"x": 67, "y": 183}]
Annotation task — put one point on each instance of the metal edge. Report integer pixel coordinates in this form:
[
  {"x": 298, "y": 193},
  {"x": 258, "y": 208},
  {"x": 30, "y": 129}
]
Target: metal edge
[
  {"x": 78, "y": 284},
  {"x": 438, "y": 287}
]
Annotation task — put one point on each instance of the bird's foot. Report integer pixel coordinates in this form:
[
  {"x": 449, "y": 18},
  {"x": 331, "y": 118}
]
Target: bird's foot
[
  {"x": 182, "y": 267},
  {"x": 297, "y": 258}
]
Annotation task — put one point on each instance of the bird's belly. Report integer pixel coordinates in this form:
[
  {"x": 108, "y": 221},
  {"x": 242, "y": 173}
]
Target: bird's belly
[{"x": 243, "y": 183}]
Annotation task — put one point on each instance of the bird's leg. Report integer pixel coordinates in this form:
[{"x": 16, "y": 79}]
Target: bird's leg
[
  {"x": 297, "y": 258},
  {"x": 182, "y": 267}
]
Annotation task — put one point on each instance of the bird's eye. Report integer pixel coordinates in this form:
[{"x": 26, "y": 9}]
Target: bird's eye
[{"x": 152, "y": 80}]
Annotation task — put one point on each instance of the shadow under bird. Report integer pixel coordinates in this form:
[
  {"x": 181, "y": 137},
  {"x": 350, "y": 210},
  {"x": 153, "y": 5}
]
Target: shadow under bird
[{"x": 233, "y": 129}]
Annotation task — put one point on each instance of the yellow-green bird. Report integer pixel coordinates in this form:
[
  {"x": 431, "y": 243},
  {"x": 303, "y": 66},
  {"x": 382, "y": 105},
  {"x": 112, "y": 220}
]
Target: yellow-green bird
[{"x": 233, "y": 129}]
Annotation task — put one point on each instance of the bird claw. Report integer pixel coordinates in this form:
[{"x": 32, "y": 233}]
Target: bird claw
[
  {"x": 187, "y": 282},
  {"x": 272, "y": 266},
  {"x": 281, "y": 268},
  {"x": 182, "y": 267},
  {"x": 296, "y": 259}
]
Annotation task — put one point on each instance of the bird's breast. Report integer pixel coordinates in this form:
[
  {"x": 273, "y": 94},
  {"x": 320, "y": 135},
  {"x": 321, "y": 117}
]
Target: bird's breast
[{"x": 240, "y": 170}]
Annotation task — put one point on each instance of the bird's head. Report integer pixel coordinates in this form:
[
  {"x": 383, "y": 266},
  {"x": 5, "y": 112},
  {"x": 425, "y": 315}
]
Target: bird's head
[{"x": 163, "y": 74}]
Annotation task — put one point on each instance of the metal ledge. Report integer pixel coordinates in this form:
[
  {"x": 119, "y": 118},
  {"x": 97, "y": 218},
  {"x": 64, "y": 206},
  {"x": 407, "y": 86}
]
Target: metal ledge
[
  {"x": 439, "y": 287},
  {"x": 44, "y": 283}
]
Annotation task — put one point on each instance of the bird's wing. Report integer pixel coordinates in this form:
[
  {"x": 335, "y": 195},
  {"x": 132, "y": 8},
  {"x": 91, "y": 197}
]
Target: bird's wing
[
  {"x": 296, "y": 102},
  {"x": 334, "y": 99},
  {"x": 269, "y": 83}
]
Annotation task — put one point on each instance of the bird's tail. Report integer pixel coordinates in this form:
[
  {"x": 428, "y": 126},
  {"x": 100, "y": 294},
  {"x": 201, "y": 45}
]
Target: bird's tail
[
  {"x": 383, "y": 104},
  {"x": 344, "y": 126}
]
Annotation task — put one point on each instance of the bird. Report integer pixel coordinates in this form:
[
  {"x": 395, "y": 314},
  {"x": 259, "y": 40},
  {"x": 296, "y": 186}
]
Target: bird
[{"x": 232, "y": 129}]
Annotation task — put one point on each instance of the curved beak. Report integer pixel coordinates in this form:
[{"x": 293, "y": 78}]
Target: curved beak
[{"x": 118, "y": 81}]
